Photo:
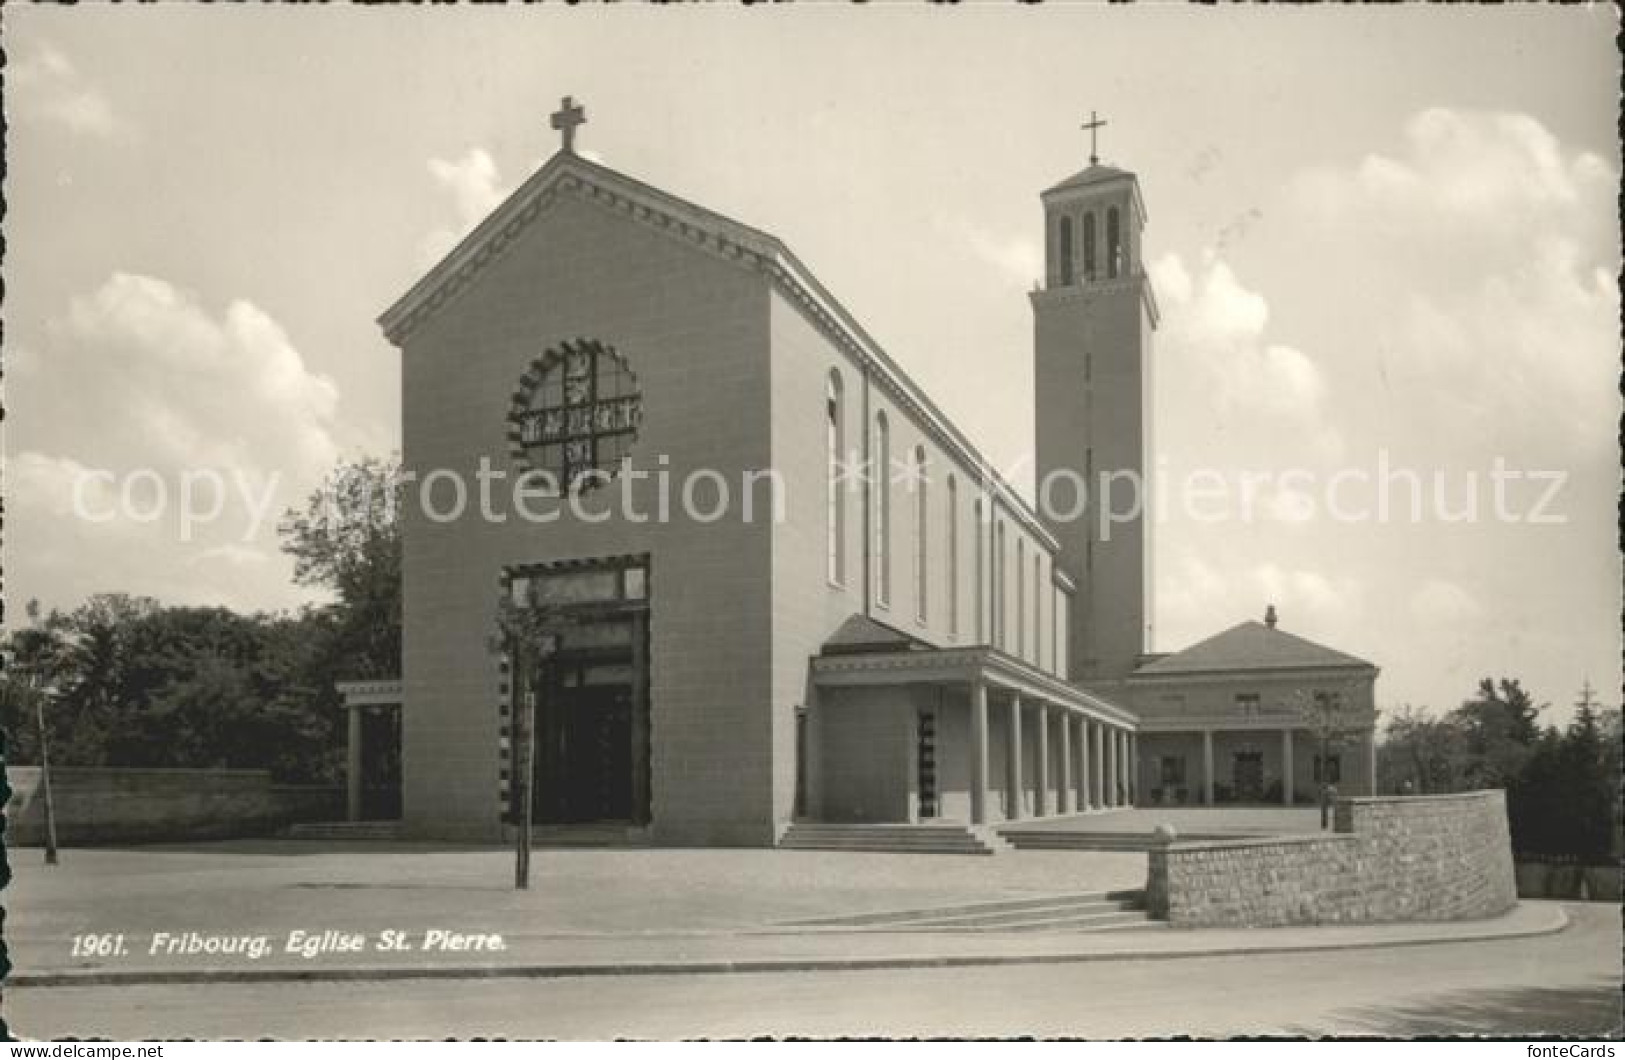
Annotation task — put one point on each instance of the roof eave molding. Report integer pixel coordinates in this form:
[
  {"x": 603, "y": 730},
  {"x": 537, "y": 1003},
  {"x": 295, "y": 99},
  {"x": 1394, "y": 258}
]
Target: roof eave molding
[
  {"x": 1330, "y": 670},
  {"x": 741, "y": 243},
  {"x": 564, "y": 171},
  {"x": 1079, "y": 190}
]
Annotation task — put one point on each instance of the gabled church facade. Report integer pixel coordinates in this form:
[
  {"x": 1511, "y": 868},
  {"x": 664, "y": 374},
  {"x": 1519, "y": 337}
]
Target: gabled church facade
[{"x": 791, "y": 588}]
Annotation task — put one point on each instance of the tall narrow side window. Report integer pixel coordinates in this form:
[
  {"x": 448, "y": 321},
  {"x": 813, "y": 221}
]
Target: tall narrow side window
[
  {"x": 998, "y": 586},
  {"x": 1038, "y": 614},
  {"x": 982, "y": 633},
  {"x": 1021, "y": 597},
  {"x": 953, "y": 557},
  {"x": 835, "y": 502},
  {"x": 922, "y": 535},
  {"x": 882, "y": 519}
]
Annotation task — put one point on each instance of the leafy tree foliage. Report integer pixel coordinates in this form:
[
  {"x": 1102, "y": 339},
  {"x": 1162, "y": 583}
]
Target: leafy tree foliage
[
  {"x": 1563, "y": 786},
  {"x": 135, "y": 683},
  {"x": 348, "y": 541}
]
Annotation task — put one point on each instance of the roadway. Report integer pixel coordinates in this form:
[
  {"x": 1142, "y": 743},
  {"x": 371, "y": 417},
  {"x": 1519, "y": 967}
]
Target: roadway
[{"x": 1566, "y": 984}]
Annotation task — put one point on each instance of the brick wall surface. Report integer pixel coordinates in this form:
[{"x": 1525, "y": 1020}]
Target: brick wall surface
[
  {"x": 1445, "y": 857},
  {"x": 694, "y": 330},
  {"x": 124, "y": 805}
]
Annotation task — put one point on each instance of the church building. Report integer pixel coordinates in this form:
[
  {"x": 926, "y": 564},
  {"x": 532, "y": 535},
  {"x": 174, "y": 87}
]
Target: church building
[{"x": 788, "y": 587}]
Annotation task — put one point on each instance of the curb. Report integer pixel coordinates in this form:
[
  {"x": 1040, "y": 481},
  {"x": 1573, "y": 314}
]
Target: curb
[{"x": 202, "y": 976}]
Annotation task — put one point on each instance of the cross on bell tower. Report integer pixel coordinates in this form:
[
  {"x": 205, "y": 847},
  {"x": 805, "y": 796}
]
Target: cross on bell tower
[
  {"x": 1094, "y": 125},
  {"x": 569, "y": 115}
]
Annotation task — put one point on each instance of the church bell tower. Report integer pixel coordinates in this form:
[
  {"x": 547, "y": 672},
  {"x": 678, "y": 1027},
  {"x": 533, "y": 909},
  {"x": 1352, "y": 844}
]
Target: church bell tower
[{"x": 1093, "y": 320}]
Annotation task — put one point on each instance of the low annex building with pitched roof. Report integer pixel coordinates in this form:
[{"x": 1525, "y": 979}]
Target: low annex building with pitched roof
[
  {"x": 895, "y": 635},
  {"x": 1253, "y": 714}
]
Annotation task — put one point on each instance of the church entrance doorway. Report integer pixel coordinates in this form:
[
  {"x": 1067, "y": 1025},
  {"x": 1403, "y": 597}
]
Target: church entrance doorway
[
  {"x": 591, "y": 743},
  {"x": 584, "y": 737}
]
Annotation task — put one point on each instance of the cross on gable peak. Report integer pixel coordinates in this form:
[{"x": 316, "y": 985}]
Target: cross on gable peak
[{"x": 569, "y": 115}]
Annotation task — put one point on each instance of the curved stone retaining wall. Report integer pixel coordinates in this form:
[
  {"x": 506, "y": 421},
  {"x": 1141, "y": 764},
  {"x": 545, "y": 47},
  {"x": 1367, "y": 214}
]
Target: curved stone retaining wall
[{"x": 1438, "y": 857}]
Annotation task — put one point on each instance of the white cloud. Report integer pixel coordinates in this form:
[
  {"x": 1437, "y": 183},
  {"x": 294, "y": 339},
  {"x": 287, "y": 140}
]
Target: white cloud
[
  {"x": 475, "y": 188},
  {"x": 62, "y": 548},
  {"x": 1487, "y": 255},
  {"x": 1219, "y": 369},
  {"x": 472, "y": 181},
  {"x": 48, "y": 87},
  {"x": 59, "y": 486},
  {"x": 1491, "y": 173},
  {"x": 143, "y": 396},
  {"x": 164, "y": 382},
  {"x": 1018, "y": 259},
  {"x": 1197, "y": 597},
  {"x": 1328, "y": 601},
  {"x": 1440, "y": 603}
]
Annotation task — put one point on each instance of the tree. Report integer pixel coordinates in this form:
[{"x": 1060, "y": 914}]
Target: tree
[
  {"x": 141, "y": 685},
  {"x": 1500, "y": 726},
  {"x": 529, "y": 631},
  {"x": 1590, "y": 784},
  {"x": 1333, "y": 722},
  {"x": 1425, "y": 752},
  {"x": 348, "y": 540}
]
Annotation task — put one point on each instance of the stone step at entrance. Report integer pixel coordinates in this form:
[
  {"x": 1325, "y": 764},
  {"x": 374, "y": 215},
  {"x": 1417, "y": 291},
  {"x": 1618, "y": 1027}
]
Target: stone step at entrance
[
  {"x": 590, "y": 834},
  {"x": 891, "y": 838},
  {"x": 345, "y": 830},
  {"x": 1092, "y": 911}
]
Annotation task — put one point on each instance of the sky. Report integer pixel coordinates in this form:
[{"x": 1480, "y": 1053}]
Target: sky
[{"x": 1378, "y": 237}]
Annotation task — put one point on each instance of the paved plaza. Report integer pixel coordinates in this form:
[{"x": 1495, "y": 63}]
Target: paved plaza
[
  {"x": 587, "y": 911},
  {"x": 275, "y": 886}
]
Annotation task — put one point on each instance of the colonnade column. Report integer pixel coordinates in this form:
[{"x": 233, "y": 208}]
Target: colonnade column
[
  {"x": 1207, "y": 767},
  {"x": 1114, "y": 778},
  {"x": 1127, "y": 770},
  {"x": 978, "y": 751},
  {"x": 1063, "y": 786},
  {"x": 1287, "y": 794},
  {"x": 1041, "y": 787},
  {"x": 1083, "y": 765},
  {"x": 1098, "y": 764},
  {"x": 1012, "y": 773},
  {"x": 1134, "y": 769}
]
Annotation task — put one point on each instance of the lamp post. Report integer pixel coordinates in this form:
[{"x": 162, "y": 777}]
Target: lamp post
[
  {"x": 1326, "y": 713},
  {"x": 40, "y": 691},
  {"x": 528, "y": 633},
  {"x": 41, "y": 694}
]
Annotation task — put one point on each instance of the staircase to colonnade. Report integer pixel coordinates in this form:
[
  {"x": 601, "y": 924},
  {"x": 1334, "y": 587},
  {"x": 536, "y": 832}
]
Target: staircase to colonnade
[
  {"x": 1090, "y": 911},
  {"x": 946, "y": 838}
]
